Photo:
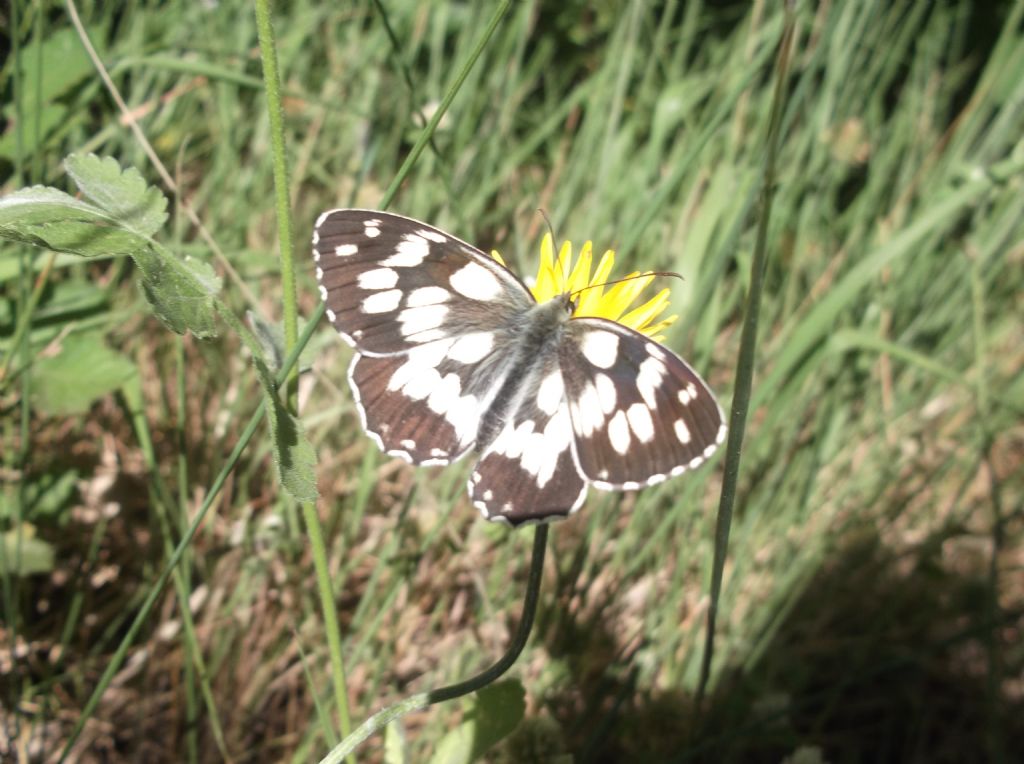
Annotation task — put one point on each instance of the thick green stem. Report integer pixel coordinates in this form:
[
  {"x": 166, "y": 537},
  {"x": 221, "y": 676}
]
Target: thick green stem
[{"x": 272, "y": 82}]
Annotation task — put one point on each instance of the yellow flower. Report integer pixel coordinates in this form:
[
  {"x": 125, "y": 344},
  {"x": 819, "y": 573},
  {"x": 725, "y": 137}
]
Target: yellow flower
[{"x": 594, "y": 297}]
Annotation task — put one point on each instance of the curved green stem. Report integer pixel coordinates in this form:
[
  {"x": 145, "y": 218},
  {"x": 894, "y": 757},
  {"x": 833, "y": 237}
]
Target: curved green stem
[{"x": 423, "y": 699}]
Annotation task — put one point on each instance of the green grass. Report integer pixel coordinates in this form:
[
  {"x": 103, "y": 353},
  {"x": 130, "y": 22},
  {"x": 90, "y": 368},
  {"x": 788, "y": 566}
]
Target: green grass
[{"x": 873, "y": 598}]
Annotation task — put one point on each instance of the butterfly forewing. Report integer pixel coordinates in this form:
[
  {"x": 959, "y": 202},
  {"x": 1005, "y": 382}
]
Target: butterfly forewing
[
  {"x": 391, "y": 283},
  {"x": 640, "y": 414}
]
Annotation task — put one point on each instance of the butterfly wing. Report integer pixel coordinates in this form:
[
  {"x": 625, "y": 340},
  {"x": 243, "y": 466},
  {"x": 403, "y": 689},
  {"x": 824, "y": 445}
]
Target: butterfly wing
[
  {"x": 639, "y": 413},
  {"x": 430, "y": 317},
  {"x": 425, "y": 405},
  {"x": 528, "y": 473},
  {"x": 392, "y": 283}
]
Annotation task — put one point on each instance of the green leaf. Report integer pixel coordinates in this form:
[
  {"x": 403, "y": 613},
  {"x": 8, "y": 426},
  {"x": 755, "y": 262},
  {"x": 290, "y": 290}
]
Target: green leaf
[
  {"x": 497, "y": 709},
  {"x": 85, "y": 370},
  {"x": 41, "y": 123},
  {"x": 271, "y": 339},
  {"x": 118, "y": 217},
  {"x": 122, "y": 194},
  {"x": 27, "y": 555},
  {"x": 181, "y": 292},
  {"x": 294, "y": 455},
  {"x": 49, "y": 218},
  {"x": 270, "y": 336},
  {"x": 40, "y": 77}
]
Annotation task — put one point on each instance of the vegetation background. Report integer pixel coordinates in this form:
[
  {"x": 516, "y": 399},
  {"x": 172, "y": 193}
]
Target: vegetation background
[{"x": 873, "y": 600}]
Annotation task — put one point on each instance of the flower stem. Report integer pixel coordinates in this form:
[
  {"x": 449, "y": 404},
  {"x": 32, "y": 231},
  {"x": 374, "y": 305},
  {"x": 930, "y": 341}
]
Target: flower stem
[{"x": 423, "y": 699}]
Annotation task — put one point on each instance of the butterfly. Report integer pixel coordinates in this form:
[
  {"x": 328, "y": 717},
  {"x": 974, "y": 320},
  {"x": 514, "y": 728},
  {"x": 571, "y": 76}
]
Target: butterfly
[{"x": 454, "y": 354}]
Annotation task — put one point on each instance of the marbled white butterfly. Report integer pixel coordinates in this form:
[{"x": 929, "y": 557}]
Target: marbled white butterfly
[{"x": 454, "y": 353}]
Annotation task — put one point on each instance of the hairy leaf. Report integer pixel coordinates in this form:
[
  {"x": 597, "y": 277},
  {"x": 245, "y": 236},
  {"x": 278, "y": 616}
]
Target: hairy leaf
[
  {"x": 122, "y": 194},
  {"x": 294, "y": 455},
  {"x": 49, "y": 218}
]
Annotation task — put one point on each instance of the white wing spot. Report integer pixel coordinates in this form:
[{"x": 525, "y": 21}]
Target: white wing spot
[
  {"x": 475, "y": 282},
  {"x": 422, "y": 385},
  {"x": 409, "y": 444},
  {"x": 648, "y": 380},
  {"x": 416, "y": 320},
  {"x": 656, "y": 350},
  {"x": 640, "y": 422},
  {"x": 682, "y": 431},
  {"x": 470, "y": 348},
  {"x": 618, "y": 434},
  {"x": 418, "y": 360},
  {"x": 587, "y": 409},
  {"x": 550, "y": 393},
  {"x": 410, "y": 252},
  {"x": 435, "y": 236},
  {"x": 600, "y": 348},
  {"x": 323, "y": 293},
  {"x": 382, "y": 302},
  {"x": 378, "y": 278},
  {"x": 464, "y": 417},
  {"x": 344, "y": 250},
  {"x": 431, "y": 295},
  {"x": 688, "y": 394},
  {"x": 438, "y": 452},
  {"x": 605, "y": 392},
  {"x": 445, "y": 396}
]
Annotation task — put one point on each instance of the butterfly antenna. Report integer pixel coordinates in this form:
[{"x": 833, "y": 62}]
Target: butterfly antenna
[
  {"x": 551, "y": 230},
  {"x": 645, "y": 274}
]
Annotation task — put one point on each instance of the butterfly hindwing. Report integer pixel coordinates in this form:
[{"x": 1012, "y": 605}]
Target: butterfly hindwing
[
  {"x": 391, "y": 283},
  {"x": 425, "y": 405},
  {"x": 640, "y": 414},
  {"x": 528, "y": 473}
]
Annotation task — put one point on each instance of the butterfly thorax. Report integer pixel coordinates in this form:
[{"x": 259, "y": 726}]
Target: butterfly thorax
[{"x": 539, "y": 336}]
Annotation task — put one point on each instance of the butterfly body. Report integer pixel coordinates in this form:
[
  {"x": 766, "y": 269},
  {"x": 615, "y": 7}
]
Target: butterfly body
[
  {"x": 455, "y": 355},
  {"x": 543, "y": 325}
]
